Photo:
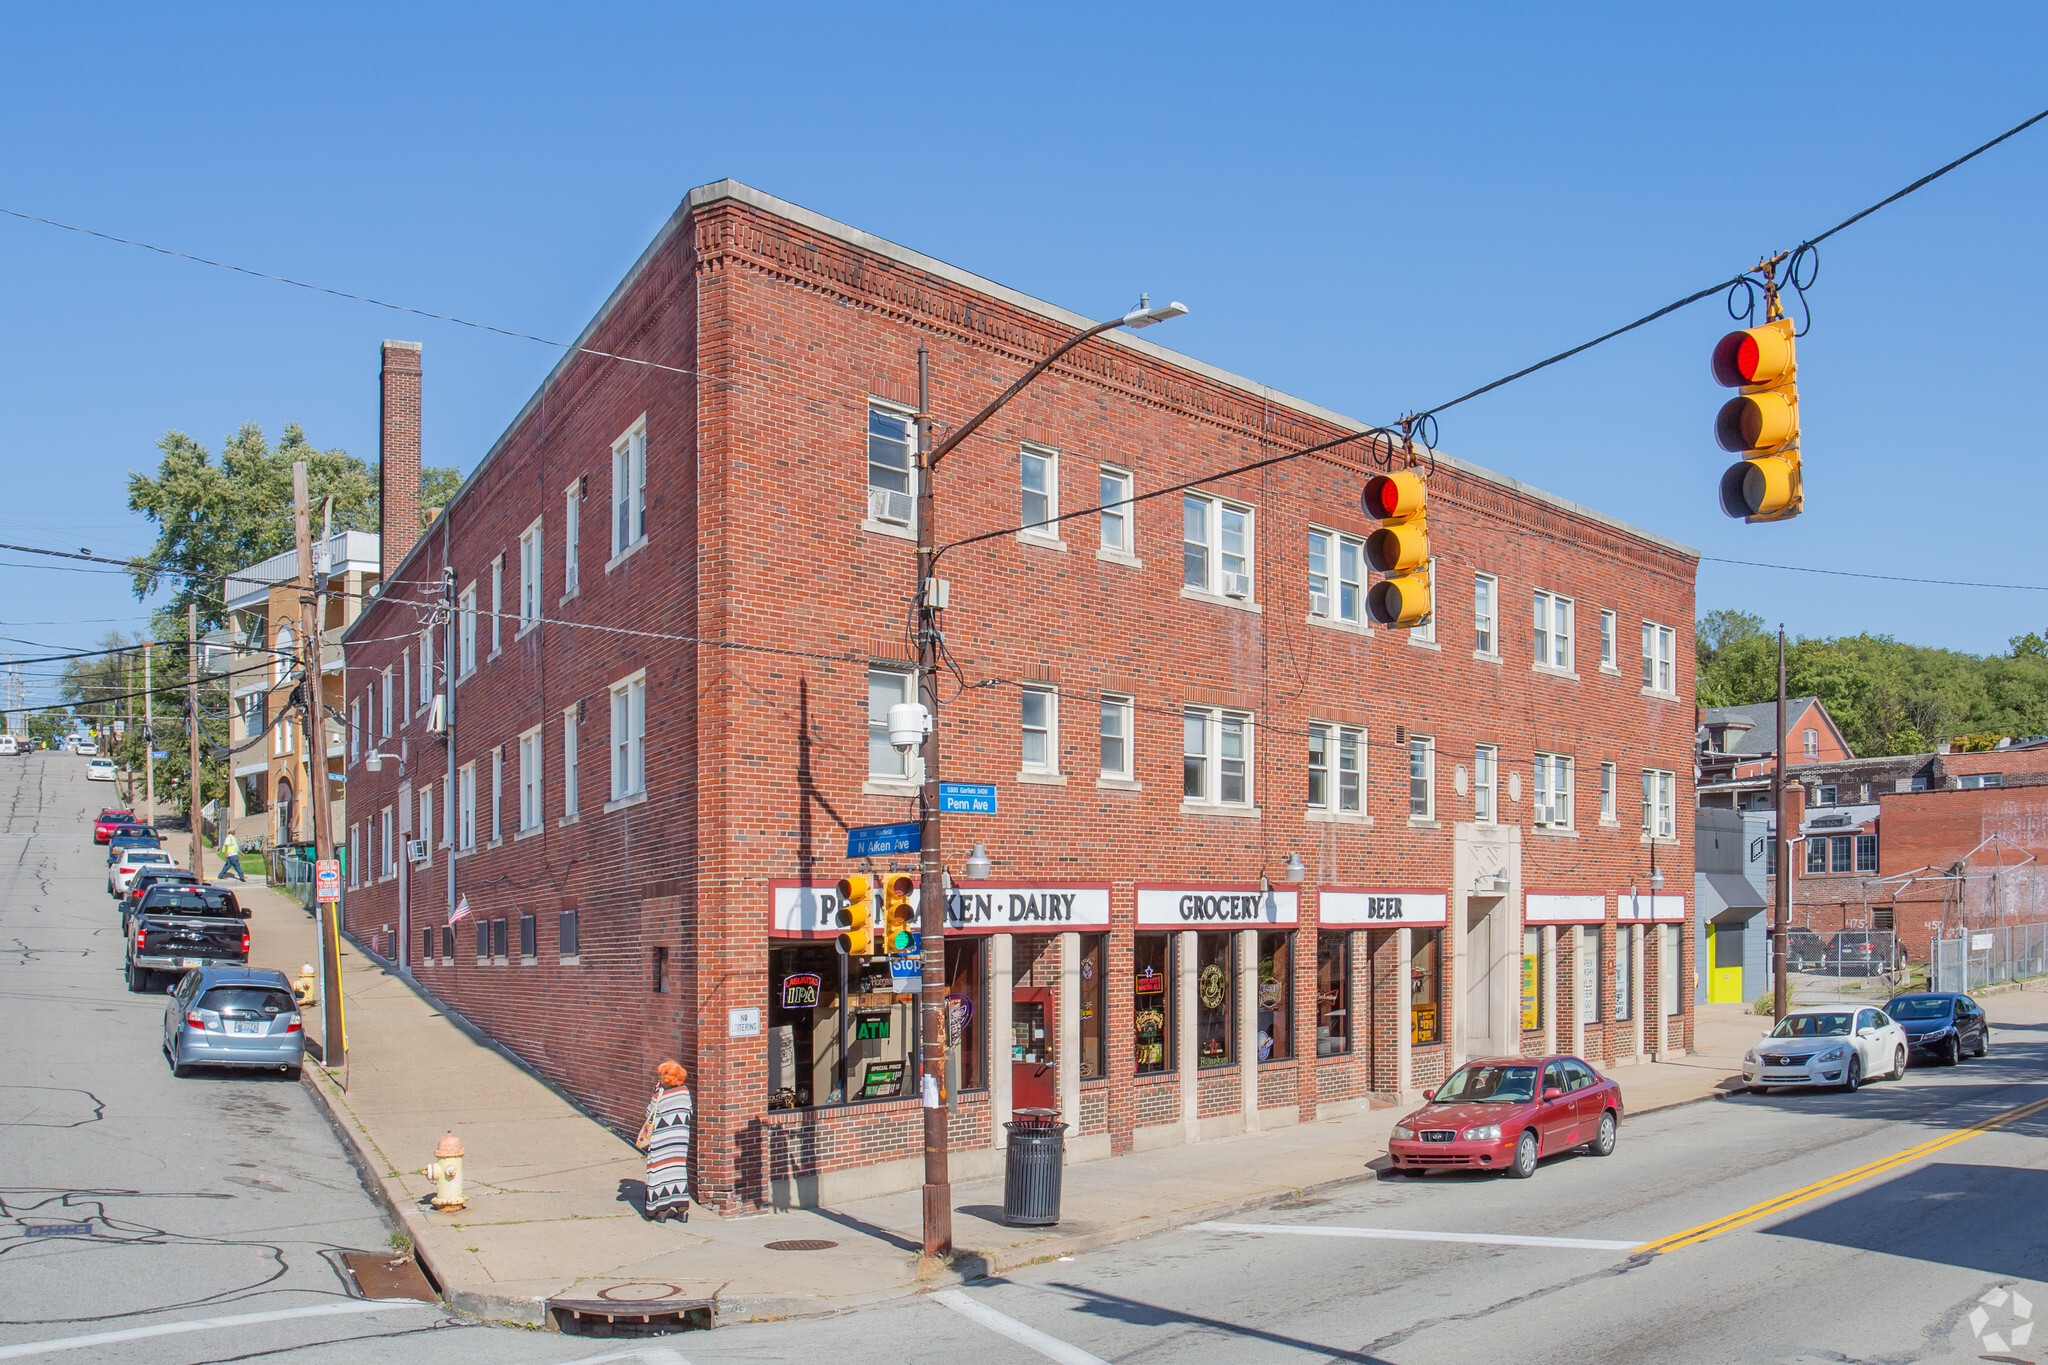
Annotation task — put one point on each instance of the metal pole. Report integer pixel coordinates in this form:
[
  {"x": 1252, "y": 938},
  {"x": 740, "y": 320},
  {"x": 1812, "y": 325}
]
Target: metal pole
[
  {"x": 148, "y": 740},
  {"x": 334, "y": 1040},
  {"x": 938, "y": 1183},
  {"x": 1783, "y": 931},
  {"x": 451, "y": 817},
  {"x": 193, "y": 785}
]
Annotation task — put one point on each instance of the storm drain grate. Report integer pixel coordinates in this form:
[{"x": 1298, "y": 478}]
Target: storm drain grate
[{"x": 802, "y": 1244}]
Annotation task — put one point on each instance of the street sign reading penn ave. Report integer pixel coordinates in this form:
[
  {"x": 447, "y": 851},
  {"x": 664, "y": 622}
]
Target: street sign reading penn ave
[
  {"x": 869, "y": 840},
  {"x": 967, "y": 798}
]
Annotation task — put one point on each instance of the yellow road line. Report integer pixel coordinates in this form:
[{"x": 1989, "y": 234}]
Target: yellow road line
[{"x": 1799, "y": 1196}]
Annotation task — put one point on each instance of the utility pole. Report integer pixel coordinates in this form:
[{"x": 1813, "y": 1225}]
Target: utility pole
[
  {"x": 334, "y": 1038},
  {"x": 148, "y": 738},
  {"x": 1781, "y": 934},
  {"x": 128, "y": 710},
  {"x": 193, "y": 785}
]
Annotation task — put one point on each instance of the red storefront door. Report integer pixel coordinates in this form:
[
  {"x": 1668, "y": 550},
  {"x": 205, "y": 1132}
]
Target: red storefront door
[{"x": 1033, "y": 1081}]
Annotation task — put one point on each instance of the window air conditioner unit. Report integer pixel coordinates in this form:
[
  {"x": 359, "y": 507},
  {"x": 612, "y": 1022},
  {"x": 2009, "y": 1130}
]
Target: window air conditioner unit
[
  {"x": 1237, "y": 585},
  {"x": 437, "y": 715},
  {"x": 416, "y": 850},
  {"x": 1319, "y": 604},
  {"x": 885, "y": 504}
]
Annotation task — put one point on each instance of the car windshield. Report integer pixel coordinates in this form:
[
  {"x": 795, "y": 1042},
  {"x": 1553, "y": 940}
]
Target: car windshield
[
  {"x": 139, "y": 859},
  {"x": 248, "y": 1002},
  {"x": 1814, "y": 1026},
  {"x": 1919, "y": 1007},
  {"x": 193, "y": 900},
  {"x": 1489, "y": 1084}
]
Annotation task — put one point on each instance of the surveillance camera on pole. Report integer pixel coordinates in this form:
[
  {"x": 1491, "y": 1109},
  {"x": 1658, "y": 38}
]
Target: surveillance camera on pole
[{"x": 909, "y": 723}]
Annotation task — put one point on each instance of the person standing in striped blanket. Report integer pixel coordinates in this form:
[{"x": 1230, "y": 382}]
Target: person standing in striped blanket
[{"x": 665, "y": 1137}]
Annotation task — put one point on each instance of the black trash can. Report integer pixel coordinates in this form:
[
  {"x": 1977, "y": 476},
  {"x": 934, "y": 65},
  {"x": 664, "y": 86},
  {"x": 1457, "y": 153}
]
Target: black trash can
[{"x": 1031, "y": 1171}]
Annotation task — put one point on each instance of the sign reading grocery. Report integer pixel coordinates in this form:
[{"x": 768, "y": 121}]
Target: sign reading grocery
[
  {"x": 1339, "y": 905},
  {"x": 1192, "y": 907},
  {"x": 1574, "y": 908}
]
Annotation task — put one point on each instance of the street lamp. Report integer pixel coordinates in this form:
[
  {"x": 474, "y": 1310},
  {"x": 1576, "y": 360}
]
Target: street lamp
[
  {"x": 1292, "y": 870},
  {"x": 938, "y": 1183},
  {"x": 978, "y": 867}
]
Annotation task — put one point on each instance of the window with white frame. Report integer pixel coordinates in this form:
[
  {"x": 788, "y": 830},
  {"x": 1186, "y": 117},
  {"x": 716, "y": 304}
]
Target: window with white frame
[
  {"x": 1115, "y": 496},
  {"x": 405, "y": 681},
  {"x": 570, "y": 796},
  {"x": 281, "y": 662},
  {"x": 629, "y": 737},
  {"x": 1485, "y": 611},
  {"x": 629, "y": 489},
  {"x": 1216, "y": 752},
  {"x": 888, "y": 687},
  {"x": 572, "y": 537},
  {"x": 497, "y": 602},
  {"x": 498, "y": 794},
  {"x": 1038, "y": 473},
  {"x": 1421, "y": 777},
  {"x": 1336, "y": 576},
  {"x": 386, "y": 678},
  {"x": 426, "y": 669},
  {"x": 427, "y": 820},
  {"x": 1216, "y": 546},
  {"x": 529, "y": 575},
  {"x": 1607, "y": 798},
  {"x": 355, "y": 715},
  {"x": 1607, "y": 643},
  {"x": 1424, "y": 631},
  {"x": 1551, "y": 783},
  {"x": 281, "y": 737},
  {"x": 1485, "y": 783},
  {"x": 1336, "y": 768},
  {"x": 1553, "y": 631},
  {"x": 1812, "y": 743},
  {"x": 1660, "y": 803},
  {"x": 1116, "y": 737},
  {"x": 465, "y": 628},
  {"x": 465, "y": 798},
  {"x": 892, "y": 441},
  {"x": 389, "y": 867},
  {"x": 529, "y": 780},
  {"x": 1039, "y": 735},
  {"x": 1660, "y": 648},
  {"x": 355, "y": 871}
]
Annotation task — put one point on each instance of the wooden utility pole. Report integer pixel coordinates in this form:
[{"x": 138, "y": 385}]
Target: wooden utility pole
[
  {"x": 193, "y": 785},
  {"x": 128, "y": 728},
  {"x": 333, "y": 1035},
  {"x": 1781, "y": 933},
  {"x": 148, "y": 739}
]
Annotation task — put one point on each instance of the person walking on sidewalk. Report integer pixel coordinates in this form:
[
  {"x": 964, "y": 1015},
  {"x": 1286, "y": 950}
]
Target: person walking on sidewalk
[
  {"x": 665, "y": 1137},
  {"x": 231, "y": 857}
]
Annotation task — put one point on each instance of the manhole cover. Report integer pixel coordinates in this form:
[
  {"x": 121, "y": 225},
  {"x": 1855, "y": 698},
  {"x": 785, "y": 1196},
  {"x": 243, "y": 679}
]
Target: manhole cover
[{"x": 803, "y": 1244}]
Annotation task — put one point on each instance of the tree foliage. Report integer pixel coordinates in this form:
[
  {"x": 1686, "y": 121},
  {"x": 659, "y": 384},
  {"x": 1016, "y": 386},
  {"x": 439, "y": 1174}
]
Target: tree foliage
[{"x": 1889, "y": 698}]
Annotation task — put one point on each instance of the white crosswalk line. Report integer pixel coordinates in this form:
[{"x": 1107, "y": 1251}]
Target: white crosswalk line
[
  {"x": 1498, "y": 1239},
  {"x": 166, "y": 1329},
  {"x": 1052, "y": 1348}
]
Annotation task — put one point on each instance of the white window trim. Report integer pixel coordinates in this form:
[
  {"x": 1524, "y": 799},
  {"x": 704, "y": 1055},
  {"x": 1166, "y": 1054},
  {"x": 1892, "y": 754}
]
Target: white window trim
[
  {"x": 1333, "y": 620},
  {"x": 1423, "y": 635},
  {"x": 1211, "y": 801},
  {"x": 1047, "y": 534},
  {"x": 572, "y": 764},
  {"x": 1610, "y": 794},
  {"x": 497, "y": 796},
  {"x": 1211, "y": 589},
  {"x": 531, "y": 566},
  {"x": 426, "y": 799},
  {"x": 1491, "y": 786},
  {"x": 1047, "y": 773},
  {"x": 387, "y": 702},
  {"x": 1661, "y": 783},
  {"x": 1329, "y": 811},
  {"x": 572, "y": 540},
  {"x": 532, "y": 784},
  {"x": 1662, "y": 635},
  {"x": 497, "y": 607},
  {"x": 1571, "y": 651},
  {"x": 869, "y": 522},
  {"x": 465, "y": 796},
  {"x": 465, "y": 631},
  {"x": 629, "y": 450},
  {"x": 354, "y": 723},
  {"x": 912, "y": 776},
  {"x": 1610, "y": 642},
  {"x": 1125, "y": 778},
  {"x": 1564, "y": 803},
  {"x": 1129, "y": 555},
  {"x": 355, "y": 868},
  {"x": 1492, "y": 653},
  {"x": 1426, "y": 818},
  {"x": 624, "y": 789}
]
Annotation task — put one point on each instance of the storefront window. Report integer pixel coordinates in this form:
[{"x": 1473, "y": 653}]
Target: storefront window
[
  {"x": 1152, "y": 1002},
  {"x": 1215, "y": 992},
  {"x": 1276, "y": 997},
  {"x": 1333, "y": 993},
  {"x": 1667, "y": 968},
  {"x": 836, "y": 1031},
  {"x": 1624, "y": 972},
  {"x": 1532, "y": 976},
  {"x": 1589, "y": 974},
  {"x": 965, "y": 1016},
  {"x": 1094, "y": 957},
  {"x": 1425, "y": 981}
]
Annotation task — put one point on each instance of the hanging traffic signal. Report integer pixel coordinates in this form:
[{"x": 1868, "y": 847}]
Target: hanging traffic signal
[
  {"x": 1399, "y": 549},
  {"x": 1762, "y": 425},
  {"x": 856, "y": 916},
  {"x": 898, "y": 915}
]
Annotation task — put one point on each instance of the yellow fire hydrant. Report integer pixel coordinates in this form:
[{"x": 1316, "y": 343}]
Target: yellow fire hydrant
[
  {"x": 446, "y": 1173},
  {"x": 307, "y": 992}
]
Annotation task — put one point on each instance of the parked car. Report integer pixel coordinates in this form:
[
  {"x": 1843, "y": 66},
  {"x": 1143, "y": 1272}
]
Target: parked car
[
  {"x": 103, "y": 827},
  {"x": 1828, "y": 1045},
  {"x": 1942, "y": 1024},
  {"x": 100, "y": 770},
  {"x": 9, "y": 746},
  {"x": 129, "y": 861},
  {"x": 1805, "y": 951},
  {"x": 131, "y": 836},
  {"x": 1493, "y": 1115},
  {"x": 145, "y": 878},
  {"x": 233, "y": 1016},
  {"x": 1859, "y": 952},
  {"x": 179, "y": 927}
]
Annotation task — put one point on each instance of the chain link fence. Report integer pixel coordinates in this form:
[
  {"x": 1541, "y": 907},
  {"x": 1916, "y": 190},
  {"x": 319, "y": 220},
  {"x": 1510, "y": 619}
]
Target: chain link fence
[
  {"x": 1989, "y": 957},
  {"x": 1860, "y": 965}
]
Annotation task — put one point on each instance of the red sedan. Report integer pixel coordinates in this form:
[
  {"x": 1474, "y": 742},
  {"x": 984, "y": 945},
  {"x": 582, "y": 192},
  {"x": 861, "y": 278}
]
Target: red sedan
[
  {"x": 1493, "y": 1115},
  {"x": 103, "y": 827}
]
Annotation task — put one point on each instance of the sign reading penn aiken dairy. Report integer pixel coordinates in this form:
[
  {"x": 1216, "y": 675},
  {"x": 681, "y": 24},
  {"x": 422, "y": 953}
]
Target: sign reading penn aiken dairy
[
  {"x": 1215, "y": 907},
  {"x": 1029, "y": 909}
]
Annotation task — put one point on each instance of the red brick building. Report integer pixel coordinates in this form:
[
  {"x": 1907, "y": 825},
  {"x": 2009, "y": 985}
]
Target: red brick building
[{"x": 681, "y": 582}]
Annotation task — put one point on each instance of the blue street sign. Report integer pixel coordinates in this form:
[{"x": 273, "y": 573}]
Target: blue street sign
[
  {"x": 160, "y": 753},
  {"x": 967, "y": 798},
  {"x": 872, "y": 839}
]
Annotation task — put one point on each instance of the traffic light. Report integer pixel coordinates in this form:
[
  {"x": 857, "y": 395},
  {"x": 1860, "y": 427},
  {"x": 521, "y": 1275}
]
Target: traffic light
[
  {"x": 899, "y": 917},
  {"x": 1762, "y": 425},
  {"x": 856, "y": 916},
  {"x": 1399, "y": 549}
]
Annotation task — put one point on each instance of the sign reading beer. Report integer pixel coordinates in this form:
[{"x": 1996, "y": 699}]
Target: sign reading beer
[
  {"x": 1215, "y": 907},
  {"x": 1340, "y": 905}
]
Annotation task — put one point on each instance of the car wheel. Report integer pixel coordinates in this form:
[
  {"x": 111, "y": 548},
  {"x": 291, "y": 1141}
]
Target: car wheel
[
  {"x": 294, "y": 1072},
  {"x": 1983, "y": 1042},
  {"x": 135, "y": 981},
  {"x": 1853, "y": 1077},
  {"x": 1954, "y": 1055},
  {"x": 1604, "y": 1140},
  {"x": 1899, "y": 1062},
  {"x": 1524, "y": 1164}
]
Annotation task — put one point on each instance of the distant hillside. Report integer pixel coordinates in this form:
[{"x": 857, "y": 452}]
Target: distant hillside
[{"x": 1888, "y": 698}]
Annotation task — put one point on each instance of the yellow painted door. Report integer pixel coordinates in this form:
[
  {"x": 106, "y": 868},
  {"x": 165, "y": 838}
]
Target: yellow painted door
[{"x": 1724, "y": 970}]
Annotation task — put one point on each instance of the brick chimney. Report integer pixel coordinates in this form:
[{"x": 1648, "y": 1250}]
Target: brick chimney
[{"x": 398, "y": 452}]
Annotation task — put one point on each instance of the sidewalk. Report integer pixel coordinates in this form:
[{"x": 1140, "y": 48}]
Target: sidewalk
[{"x": 549, "y": 1218}]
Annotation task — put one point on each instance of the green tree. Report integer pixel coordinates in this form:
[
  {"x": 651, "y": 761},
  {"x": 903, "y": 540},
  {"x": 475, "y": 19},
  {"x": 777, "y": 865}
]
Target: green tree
[
  {"x": 49, "y": 725},
  {"x": 438, "y": 483}
]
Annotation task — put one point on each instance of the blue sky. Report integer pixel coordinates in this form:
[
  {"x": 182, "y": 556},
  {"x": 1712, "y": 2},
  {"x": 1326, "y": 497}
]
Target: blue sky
[{"x": 1370, "y": 207}]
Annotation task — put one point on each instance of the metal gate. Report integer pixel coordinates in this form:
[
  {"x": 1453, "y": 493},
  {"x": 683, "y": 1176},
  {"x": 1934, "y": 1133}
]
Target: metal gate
[
  {"x": 1860, "y": 965},
  {"x": 1989, "y": 957}
]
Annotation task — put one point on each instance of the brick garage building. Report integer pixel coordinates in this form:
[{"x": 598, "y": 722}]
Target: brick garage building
[{"x": 681, "y": 590}]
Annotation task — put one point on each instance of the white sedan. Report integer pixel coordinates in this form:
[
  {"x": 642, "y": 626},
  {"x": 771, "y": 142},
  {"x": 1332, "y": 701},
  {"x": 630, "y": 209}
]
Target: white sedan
[
  {"x": 100, "y": 770},
  {"x": 87, "y": 747},
  {"x": 129, "y": 862},
  {"x": 1842, "y": 1045}
]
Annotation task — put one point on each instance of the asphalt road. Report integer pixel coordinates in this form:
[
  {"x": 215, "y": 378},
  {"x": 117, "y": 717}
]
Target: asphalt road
[{"x": 1798, "y": 1227}]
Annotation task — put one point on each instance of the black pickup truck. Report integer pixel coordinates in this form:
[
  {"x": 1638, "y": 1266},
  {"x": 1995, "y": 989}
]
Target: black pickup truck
[{"x": 179, "y": 927}]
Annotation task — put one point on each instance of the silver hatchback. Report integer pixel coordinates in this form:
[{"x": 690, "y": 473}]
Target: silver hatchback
[{"x": 233, "y": 1016}]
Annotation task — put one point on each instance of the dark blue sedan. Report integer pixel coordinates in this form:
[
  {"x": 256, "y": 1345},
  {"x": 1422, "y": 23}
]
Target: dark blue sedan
[{"x": 1943, "y": 1024}]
